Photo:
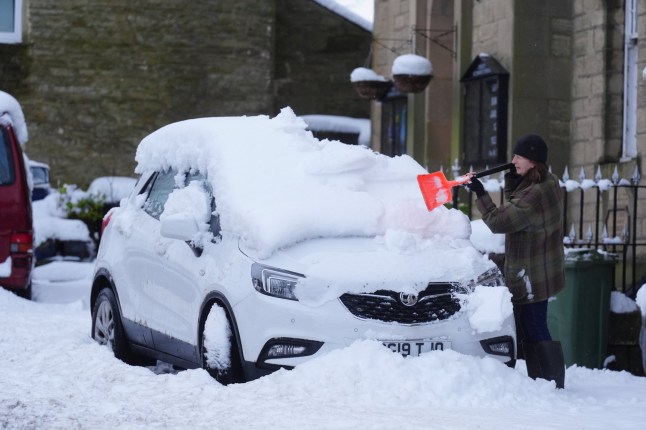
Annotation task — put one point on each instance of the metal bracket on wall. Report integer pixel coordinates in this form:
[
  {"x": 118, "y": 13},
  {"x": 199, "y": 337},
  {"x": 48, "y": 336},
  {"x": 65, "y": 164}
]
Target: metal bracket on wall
[
  {"x": 434, "y": 36},
  {"x": 402, "y": 47}
]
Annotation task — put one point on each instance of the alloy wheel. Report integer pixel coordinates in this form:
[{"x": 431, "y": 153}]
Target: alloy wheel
[{"x": 104, "y": 325}]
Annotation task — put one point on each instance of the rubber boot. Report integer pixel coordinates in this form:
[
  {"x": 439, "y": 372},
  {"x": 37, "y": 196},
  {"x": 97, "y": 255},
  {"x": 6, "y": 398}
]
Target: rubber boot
[{"x": 545, "y": 360}]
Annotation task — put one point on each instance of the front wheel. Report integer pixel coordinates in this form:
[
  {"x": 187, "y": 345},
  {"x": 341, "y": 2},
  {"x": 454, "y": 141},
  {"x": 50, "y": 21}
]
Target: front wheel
[{"x": 218, "y": 348}]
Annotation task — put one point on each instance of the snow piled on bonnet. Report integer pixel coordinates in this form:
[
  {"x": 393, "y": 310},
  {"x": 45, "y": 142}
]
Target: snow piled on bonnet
[{"x": 296, "y": 187}]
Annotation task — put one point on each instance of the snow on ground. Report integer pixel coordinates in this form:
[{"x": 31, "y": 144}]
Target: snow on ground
[{"x": 54, "y": 376}]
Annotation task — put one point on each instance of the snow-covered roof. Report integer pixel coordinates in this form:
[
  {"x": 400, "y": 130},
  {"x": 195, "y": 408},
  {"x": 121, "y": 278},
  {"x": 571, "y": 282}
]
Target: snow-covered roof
[
  {"x": 11, "y": 111},
  {"x": 346, "y": 13},
  {"x": 34, "y": 163},
  {"x": 340, "y": 124},
  {"x": 277, "y": 185},
  {"x": 112, "y": 188}
]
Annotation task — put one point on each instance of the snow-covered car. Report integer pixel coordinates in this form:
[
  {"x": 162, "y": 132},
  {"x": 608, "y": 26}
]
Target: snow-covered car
[
  {"x": 248, "y": 245},
  {"x": 57, "y": 237},
  {"x": 40, "y": 179},
  {"x": 112, "y": 188}
]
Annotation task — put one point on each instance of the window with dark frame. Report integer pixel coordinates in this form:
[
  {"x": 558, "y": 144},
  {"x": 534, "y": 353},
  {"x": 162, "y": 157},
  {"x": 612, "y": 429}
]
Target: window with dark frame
[
  {"x": 485, "y": 91},
  {"x": 11, "y": 21},
  {"x": 394, "y": 111}
]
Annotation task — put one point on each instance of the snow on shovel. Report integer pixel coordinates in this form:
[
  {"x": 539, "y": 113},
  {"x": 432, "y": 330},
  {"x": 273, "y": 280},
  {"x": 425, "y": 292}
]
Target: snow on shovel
[{"x": 436, "y": 189}]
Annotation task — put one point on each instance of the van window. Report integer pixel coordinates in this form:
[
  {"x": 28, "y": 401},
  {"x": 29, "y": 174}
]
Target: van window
[{"x": 7, "y": 173}]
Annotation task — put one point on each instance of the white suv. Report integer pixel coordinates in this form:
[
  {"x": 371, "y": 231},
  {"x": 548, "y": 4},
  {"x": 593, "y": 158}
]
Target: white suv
[{"x": 248, "y": 245}]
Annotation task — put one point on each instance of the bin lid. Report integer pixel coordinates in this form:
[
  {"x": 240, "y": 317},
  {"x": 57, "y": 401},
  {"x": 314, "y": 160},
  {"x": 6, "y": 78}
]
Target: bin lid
[{"x": 588, "y": 256}]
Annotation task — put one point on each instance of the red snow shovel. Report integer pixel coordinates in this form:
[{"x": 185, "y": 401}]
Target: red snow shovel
[{"x": 436, "y": 189}]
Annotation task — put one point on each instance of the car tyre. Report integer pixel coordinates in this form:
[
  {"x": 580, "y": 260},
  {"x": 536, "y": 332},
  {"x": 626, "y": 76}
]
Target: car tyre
[
  {"x": 107, "y": 328},
  {"x": 228, "y": 371},
  {"x": 26, "y": 293}
]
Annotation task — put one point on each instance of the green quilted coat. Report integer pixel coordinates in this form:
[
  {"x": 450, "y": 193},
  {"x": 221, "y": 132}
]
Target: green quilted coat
[{"x": 532, "y": 220}]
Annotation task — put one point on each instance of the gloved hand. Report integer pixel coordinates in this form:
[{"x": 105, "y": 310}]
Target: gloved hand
[
  {"x": 512, "y": 179},
  {"x": 512, "y": 171},
  {"x": 475, "y": 186}
]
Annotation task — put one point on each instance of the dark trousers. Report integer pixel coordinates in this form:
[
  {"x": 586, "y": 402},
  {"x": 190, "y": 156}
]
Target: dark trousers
[{"x": 531, "y": 323}]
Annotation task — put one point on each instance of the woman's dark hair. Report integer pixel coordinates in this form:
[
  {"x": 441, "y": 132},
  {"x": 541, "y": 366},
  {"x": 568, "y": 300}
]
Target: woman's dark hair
[{"x": 538, "y": 173}]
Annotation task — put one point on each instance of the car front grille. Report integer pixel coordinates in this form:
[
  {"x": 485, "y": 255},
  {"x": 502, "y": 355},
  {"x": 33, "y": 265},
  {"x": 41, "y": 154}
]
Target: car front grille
[{"x": 437, "y": 302}]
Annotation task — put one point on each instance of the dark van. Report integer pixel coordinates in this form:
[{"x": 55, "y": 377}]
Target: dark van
[{"x": 16, "y": 226}]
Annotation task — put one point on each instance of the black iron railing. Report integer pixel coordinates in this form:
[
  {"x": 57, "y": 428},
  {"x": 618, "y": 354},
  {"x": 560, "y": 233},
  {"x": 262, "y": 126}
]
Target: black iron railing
[{"x": 601, "y": 214}]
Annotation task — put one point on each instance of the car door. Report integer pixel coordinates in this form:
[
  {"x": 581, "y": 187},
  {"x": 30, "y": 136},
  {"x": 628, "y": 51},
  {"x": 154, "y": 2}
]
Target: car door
[
  {"x": 175, "y": 269},
  {"x": 136, "y": 281}
]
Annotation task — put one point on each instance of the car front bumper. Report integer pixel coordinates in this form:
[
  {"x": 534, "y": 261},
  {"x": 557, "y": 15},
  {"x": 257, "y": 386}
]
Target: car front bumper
[{"x": 302, "y": 332}]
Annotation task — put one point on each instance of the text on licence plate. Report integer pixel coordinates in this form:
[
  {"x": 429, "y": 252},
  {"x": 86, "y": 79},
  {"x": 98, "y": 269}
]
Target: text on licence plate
[{"x": 417, "y": 347}]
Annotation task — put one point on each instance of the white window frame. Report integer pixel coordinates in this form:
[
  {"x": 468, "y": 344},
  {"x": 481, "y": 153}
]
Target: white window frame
[
  {"x": 629, "y": 146},
  {"x": 14, "y": 36}
]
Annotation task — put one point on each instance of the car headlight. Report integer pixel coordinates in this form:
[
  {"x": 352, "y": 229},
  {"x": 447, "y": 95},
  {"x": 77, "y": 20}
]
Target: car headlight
[
  {"x": 491, "y": 278},
  {"x": 274, "y": 282}
]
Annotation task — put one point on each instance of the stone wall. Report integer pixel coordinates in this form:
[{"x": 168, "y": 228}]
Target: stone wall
[
  {"x": 104, "y": 74},
  {"x": 392, "y": 34},
  {"x": 96, "y": 77},
  {"x": 316, "y": 50},
  {"x": 425, "y": 28},
  {"x": 533, "y": 42},
  {"x": 589, "y": 92}
]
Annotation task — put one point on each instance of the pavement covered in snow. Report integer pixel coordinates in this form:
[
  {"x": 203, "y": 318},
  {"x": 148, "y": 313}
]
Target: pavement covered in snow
[{"x": 54, "y": 376}]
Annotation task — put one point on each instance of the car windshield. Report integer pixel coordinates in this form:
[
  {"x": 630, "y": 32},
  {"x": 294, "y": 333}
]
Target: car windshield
[
  {"x": 7, "y": 175},
  {"x": 40, "y": 175},
  {"x": 276, "y": 185}
]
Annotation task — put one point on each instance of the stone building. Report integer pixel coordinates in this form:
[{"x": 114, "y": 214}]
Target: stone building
[
  {"x": 570, "y": 71},
  {"x": 95, "y": 77}
]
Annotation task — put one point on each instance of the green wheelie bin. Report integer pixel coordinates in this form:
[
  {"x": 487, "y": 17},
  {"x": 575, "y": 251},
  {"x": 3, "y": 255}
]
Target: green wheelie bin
[{"x": 578, "y": 315}]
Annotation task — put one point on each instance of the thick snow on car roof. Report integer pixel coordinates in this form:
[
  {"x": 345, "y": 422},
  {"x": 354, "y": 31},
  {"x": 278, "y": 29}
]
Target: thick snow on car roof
[
  {"x": 11, "y": 110},
  {"x": 277, "y": 185}
]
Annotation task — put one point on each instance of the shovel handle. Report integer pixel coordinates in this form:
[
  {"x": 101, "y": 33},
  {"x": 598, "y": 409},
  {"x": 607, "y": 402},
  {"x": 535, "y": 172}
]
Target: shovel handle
[{"x": 494, "y": 170}]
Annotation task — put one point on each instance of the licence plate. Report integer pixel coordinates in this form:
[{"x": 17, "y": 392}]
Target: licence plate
[{"x": 416, "y": 347}]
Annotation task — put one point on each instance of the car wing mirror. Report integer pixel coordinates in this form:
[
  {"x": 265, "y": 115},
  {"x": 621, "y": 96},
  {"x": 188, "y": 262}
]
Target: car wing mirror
[{"x": 181, "y": 226}]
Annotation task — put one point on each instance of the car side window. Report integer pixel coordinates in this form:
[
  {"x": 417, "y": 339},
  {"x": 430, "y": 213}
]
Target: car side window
[
  {"x": 162, "y": 186},
  {"x": 214, "y": 223},
  {"x": 6, "y": 162}
]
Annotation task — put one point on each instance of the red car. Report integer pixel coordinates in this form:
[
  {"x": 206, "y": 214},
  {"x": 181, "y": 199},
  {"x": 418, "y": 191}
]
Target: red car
[{"x": 16, "y": 226}]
